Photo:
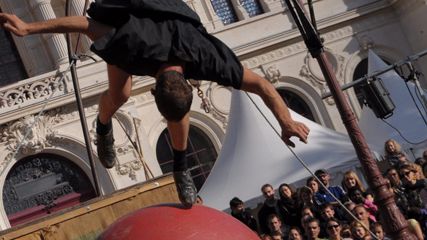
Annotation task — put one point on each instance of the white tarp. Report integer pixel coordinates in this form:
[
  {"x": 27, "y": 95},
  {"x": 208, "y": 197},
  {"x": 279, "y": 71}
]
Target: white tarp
[
  {"x": 406, "y": 118},
  {"x": 253, "y": 154}
]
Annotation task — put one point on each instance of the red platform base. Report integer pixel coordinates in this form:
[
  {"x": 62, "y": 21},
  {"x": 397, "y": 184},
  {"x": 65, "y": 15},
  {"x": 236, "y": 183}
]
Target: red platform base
[{"x": 166, "y": 222}]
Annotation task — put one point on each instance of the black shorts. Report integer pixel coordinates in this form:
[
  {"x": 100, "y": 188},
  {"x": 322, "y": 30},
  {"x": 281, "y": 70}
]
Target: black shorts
[{"x": 148, "y": 33}]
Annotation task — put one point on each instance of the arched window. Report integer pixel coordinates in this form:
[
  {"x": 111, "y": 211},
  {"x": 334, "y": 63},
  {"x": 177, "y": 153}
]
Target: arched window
[
  {"x": 360, "y": 71},
  {"x": 42, "y": 184},
  {"x": 201, "y": 154},
  {"x": 11, "y": 67},
  {"x": 225, "y": 11},
  {"x": 296, "y": 103}
]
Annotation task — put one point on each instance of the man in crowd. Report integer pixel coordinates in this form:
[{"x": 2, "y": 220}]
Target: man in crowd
[
  {"x": 323, "y": 196},
  {"x": 243, "y": 215},
  {"x": 269, "y": 207}
]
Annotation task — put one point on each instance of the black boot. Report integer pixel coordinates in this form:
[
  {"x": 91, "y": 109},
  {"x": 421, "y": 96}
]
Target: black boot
[
  {"x": 187, "y": 192},
  {"x": 105, "y": 144}
]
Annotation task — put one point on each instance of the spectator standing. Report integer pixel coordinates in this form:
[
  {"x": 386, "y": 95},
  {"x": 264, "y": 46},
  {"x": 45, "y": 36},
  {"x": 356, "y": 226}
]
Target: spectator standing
[
  {"x": 288, "y": 205},
  {"x": 357, "y": 197},
  {"x": 333, "y": 228},
  {"x": 323, "y": 196},
  {"x": 239, "y": 212},
  {"x": 276, "y": 227},
  {"x": 394, "y": 153},
  {"x": 312, "y": 229},
  {"x": 295, "y": 234},
  {"x": 269, "y": 207}
]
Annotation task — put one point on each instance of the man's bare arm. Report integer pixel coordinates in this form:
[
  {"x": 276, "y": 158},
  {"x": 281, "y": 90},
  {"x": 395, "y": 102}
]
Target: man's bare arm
[
  {"x": 255, "y": 84},
  {"x": 80, "y": 24}
]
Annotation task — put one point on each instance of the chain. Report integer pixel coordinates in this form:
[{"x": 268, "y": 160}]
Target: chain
[{"x": 205, "y": 102}]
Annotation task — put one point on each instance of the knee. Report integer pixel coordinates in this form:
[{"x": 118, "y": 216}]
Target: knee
[{"x": 118, "y": 99}]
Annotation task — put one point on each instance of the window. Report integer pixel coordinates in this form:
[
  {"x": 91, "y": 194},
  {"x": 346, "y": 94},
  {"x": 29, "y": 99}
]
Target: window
[
  {"x": 201, "y": 154},
  {"x": 252, "y": 7},
  {"x": 42, "y": 184},
  {"x": 224, "y": 10},
  {"x": 11, "y": 68},
  {"x": 296, "y": 103},
  {"x": 360, "y": 71}
]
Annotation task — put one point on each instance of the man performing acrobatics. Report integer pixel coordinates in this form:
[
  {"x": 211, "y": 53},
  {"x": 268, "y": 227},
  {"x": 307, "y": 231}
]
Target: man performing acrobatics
[{"x": 163, "y": 39}]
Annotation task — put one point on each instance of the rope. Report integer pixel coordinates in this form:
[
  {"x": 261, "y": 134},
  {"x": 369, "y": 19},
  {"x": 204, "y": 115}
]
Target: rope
[
  {"x": 138, "y": 149},
  {"x": 309, "y": 170}
]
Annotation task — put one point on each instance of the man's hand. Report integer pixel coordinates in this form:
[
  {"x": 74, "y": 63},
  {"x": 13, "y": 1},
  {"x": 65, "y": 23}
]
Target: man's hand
[
  {"x": 13, "y": 24},
  {"x": 296, "y": 129}
]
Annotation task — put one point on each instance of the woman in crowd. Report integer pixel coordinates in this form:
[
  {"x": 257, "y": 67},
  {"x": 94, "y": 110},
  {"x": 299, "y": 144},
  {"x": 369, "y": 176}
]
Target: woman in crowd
[
  {"x": 333, "y": 228},
  {"x": 288, "y": 205},
  {"x": 351, "y": 181},
  {"x": 313, "y": 184},
  {"x": 394, "y": 153}
]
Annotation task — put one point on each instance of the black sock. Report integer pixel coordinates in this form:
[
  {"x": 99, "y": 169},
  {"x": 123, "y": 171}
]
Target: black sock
[
  {"x": 179, "y": 161},
  {"x": 103, "y": 129}
]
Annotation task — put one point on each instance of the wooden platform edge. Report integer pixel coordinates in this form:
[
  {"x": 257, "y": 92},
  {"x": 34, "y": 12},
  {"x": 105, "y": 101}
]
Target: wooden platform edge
[{"x": 97, "y": 204}]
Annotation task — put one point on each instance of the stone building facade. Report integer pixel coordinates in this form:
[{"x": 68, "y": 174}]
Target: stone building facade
[{"x": 42, "y": 149}]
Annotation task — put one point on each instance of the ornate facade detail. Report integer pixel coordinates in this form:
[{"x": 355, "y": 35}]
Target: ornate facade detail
[
  {"x": 272, "y": 74},
  {"x": 275, "y": 55},
  {"x": 31, "y": 92},
  {"x": 365, "y": 42},
  {"x": 217, "y": 110},
  {"x": 312, "y": 72},
  {"x": 129, "y": 168},
  {"x": 29, "y": 134}
]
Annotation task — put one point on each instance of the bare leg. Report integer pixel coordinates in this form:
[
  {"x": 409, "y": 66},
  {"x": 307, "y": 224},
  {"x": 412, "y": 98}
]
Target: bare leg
[
  {"x": 119, "y": 90},
  {"x": 179, "y": 133},
  {"x": 120, "y": 84}
]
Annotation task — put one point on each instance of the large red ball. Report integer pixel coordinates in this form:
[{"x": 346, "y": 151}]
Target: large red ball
[{"x": 172, "y": 222}]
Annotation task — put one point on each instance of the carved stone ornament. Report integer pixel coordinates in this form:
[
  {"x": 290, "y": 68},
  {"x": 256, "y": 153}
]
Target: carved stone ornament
[
  {"x": 312, "y": 72},
  {"x": 129, "y": 168},
  {"x": 365, "y": 42},
  {"x": 31, "y": 92},
  {"x": 220, "y": 111},
  {"x": 272, "y": 74},
  {"x": 30, "y": 134}
]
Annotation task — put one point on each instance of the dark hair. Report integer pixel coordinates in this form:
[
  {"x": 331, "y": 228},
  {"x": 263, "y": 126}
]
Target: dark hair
[
  {"x": 173, "y": 95},
  {"x": 266, "y": 186},
  {"x": 235, "y": 202}
]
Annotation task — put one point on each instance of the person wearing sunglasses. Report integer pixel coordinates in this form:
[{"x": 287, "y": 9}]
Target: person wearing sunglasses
[{"x": 333, "y": 228}]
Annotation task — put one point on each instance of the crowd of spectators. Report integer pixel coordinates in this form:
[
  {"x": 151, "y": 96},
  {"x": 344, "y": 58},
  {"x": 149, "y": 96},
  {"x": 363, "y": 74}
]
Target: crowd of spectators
[{"x": 320, "y": 210}]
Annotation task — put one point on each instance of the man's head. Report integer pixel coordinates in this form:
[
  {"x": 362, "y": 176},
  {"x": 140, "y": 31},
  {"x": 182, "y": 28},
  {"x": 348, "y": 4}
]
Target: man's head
[
  {"x": 328, "y": 211},
  {"x": 274, "y": 223},
  {"x": 393, "y": 176},
  {"x": 236, "y": 205},
  {"x": 173, "y": 95},
  {"x": 312, "y": 228},
  {"x": 323, "y": 176},
  {"x": 408, "y": 174},
  {"x": 268, "y": 192}
]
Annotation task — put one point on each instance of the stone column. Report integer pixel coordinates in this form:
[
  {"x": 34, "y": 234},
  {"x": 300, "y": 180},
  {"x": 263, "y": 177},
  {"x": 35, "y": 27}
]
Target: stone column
[
  {"x": 77, "y": 9},
  {"x": 56, "y": 43}
]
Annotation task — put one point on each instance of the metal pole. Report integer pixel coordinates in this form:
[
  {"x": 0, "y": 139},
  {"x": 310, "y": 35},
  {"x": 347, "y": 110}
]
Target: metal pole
[
  {"x": 396, "y": 226},
  {"x": 81, "y": 110}
]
